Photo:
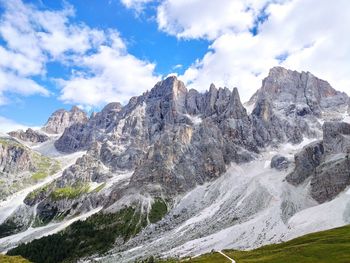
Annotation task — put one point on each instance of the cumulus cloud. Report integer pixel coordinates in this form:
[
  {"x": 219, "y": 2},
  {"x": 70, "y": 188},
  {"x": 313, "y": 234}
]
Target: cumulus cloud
[
  {"x": 34, "y": 37},
  {"x": 297, "y": 35},
  {"x": 7, "y": 125},
  {"x": 208, "y": 19},
  {"x": 109, "y": 75}
]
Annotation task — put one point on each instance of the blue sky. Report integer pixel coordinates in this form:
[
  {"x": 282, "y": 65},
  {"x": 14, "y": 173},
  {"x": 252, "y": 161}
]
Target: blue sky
[
  {"x": 139, "y": 31},
  {"x": 55, "y": 54}
]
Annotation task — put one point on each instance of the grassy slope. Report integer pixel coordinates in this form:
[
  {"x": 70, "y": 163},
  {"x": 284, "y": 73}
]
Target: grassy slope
[
  {"x": 321, "y": 247},
  {"x": 8, "y": 259}
]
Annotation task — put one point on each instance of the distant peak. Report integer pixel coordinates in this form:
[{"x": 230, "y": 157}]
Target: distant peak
[
  {"x": 75, "y": 109},
  {"x": 169, "y": 85}
]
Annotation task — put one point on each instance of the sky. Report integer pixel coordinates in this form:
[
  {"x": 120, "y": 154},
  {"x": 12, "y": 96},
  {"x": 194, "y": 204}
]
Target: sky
[{"x": 55, "y": 54}]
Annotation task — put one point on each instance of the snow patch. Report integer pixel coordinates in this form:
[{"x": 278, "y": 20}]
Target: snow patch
[{"x": 195, "y": 119}]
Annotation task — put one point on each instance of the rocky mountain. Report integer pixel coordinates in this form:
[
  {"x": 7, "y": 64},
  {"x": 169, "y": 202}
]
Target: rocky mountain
[
  {"x": 191, "y": 167},
  {"x": 326, "y": 162},
  {"x": 61, "y": 119},
  {"x": 29, "y": 135},
  {"x": 20, "y": 166}
]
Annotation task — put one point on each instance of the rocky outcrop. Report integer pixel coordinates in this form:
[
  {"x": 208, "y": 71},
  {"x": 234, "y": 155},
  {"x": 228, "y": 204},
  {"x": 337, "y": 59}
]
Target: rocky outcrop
[
  {"x": 29, "y": 135},
  {"x": 82, "y": 135},
  {"x": 61, "y": 119},
  {"x": 336, "y": 137},
  {"x": 14, "y": 157},
  {"x": 18, "y": 221},
  {"x": 326, "y": 162},
  {"x": 306, "y": 162},
  {"x": 288, "y": 105},
  {"x": 279, "y": 162},
  {"x": 330, "y": 179}
]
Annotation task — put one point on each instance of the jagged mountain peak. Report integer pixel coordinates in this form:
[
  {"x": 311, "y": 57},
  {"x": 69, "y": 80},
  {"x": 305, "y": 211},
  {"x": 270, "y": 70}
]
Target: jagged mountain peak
[
  {"x": 299, "y": 91},
  {"x": 170, "y": 85},
  {"x": 61, "y": 119},
  {"x": 112, "y": 106}
]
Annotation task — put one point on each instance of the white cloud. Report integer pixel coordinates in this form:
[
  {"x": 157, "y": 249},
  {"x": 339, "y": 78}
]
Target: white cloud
[
  {"x": 137, "y": 5},
  {"x": 207, "y": 19},
  {"x": 11, "y": 83},
  {"x": 35, "y": 37},
  {"x": 111, "y": 74},
  {"x": 7, "y": 125},
  {"x": 312, "y": 35}
]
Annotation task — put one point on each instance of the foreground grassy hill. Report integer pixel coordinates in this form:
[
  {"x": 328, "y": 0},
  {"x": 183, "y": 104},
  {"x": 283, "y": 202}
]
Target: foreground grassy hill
[{"x": 331, "y": 246}]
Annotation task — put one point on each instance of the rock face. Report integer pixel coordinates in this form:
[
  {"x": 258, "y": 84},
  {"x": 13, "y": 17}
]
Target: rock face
[
  {"x": 16, "y": 163},
  {"x": 326, "y": 162},
  {"x": 14, "y": 157},
  {"x": 306, "y": 162},
  {"x": 330, "y": 179},
  {"x": 336, "y": 137},
  {"x": 289, "y": 103},
  {"x": 29, "y": 135},
  {"x": 61, "y": 119},
  {"x": 181, "y": 137},
  {"x": 279, "y": 162}
]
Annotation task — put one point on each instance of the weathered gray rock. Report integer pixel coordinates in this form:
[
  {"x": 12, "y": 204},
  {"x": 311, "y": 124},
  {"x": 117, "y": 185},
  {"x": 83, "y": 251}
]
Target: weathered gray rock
[
  {"x": 336, "y": 137},
  {"x": 306, "y": 162},
  {"x": 29, "y": 135},
  {"x": 14, "y": 157},
  {"x": 18, "y": 221},
  {"x": 288, "y": 105},
  {"x": 82, "y": 135},
  {"x": 279, "y": 162},
  {"x": 330, "y": 179},
  {"x": 326, "y": 162},
  {"x": 61, "y": 119}
]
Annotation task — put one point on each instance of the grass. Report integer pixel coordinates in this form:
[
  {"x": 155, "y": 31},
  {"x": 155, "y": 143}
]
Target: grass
[
  {"x": 213, "y": 257},
  {"x": 158, "y": 210},
  {"x": 96, "y": 234},
  {"x": 69, "y": 192},
  {"x": 40, "y": 191},
  {"x": 16, "y": 259},
  {"x": 44, "y": 167},
  {"x": 11, "y": 142},
  {"x": 321, "y": 247},
  {"x": 99, "y": 188}
]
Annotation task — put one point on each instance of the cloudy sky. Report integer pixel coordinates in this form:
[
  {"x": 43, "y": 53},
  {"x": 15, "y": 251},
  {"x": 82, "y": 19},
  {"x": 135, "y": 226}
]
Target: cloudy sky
[{"x": 55, "y": 54}]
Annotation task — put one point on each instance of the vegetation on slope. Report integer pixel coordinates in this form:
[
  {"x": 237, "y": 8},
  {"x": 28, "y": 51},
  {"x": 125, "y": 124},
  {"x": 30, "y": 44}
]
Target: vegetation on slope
[
  {"x": 321, "y": 247},
  {"x": 16, "y": 259},
  {"x": 44, "y": 167},
  {"x": 69, "y": 192},
  {"x": 158, "y": 210},
  {"x": 96, "y": 234},
  {"x": 8, "y": 228}
]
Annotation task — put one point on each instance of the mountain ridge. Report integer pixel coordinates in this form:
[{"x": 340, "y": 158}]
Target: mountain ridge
[{"x": 170, "y": 142}]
